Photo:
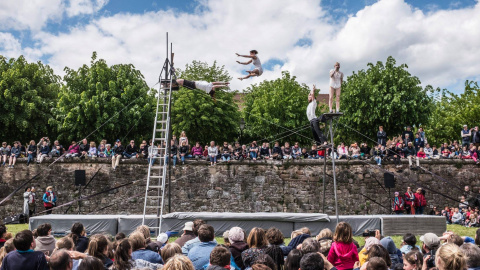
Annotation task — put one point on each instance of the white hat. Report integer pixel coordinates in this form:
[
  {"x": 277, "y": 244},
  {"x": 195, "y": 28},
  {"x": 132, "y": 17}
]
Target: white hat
[
  {"x": 162, "y": 238},
  {"x": 188, "y": 226}
]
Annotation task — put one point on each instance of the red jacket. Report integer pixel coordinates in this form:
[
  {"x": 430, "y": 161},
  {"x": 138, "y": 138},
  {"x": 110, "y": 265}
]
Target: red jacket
[
  {"x": 410, "y": 200},
  {"x": 420, "y": 200},
  {"x": 397, "y": 203}
]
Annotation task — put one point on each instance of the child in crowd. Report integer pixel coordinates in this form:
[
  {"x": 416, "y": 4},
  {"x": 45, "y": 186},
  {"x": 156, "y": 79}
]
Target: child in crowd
[
  {"x": 92, "y": 151},
  {"x": 343, "y": 253}
]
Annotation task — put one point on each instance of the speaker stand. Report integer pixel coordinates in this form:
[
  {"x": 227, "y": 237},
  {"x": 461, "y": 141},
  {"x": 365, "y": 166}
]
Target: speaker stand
[{"x": 79, "y": 201}]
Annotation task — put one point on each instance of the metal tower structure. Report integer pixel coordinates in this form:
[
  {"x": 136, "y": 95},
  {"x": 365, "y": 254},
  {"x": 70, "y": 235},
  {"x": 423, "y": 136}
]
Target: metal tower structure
[{"x": 159, "y": 149}]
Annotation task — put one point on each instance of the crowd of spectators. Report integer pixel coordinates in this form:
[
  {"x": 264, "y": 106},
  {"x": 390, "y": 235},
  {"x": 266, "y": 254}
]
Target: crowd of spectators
[
  {"x": 408, "y": 146},
  {"x": 260, "y": 249}
]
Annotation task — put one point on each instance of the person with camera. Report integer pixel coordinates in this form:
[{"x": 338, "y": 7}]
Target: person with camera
[{"x": 430, "y": 245}]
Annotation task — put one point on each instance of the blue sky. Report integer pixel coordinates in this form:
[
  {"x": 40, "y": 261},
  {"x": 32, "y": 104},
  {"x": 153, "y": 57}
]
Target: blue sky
[{"x": 438, "y": 39}]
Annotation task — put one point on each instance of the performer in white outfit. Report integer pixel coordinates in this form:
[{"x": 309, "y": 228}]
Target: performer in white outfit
[
  {"x": 312, "y": 117},
  {"x": 258, "y": 70},
  {"x": 208, "y": 87},
  {"x": 336, "y": 80}
]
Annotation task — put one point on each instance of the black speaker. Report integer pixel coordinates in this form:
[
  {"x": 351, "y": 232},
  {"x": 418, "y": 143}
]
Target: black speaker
[
  {"x": 389, "y": 180},
  {"x": 80, "y": 178}
]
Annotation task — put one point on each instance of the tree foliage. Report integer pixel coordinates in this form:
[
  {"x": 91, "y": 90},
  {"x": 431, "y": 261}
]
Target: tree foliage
[
  {"x": 28, "y": 92},
  {"x": 386, "y": 95},
  {"x": 274, "y": 108},
  {"x": 115, "y": 99},
  {"x": 195, "y": 112},
  {"x": 452, "y": 112}
]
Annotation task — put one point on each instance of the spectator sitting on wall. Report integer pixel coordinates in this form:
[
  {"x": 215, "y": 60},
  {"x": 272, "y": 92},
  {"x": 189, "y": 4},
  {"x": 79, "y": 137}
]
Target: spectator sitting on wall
[
  {"x": 355, "y": 151},
  {"x": 364, "y": 151},
  {"x": 131, "y": 150},
  {"x": 197, "y": 151},
  {"x": 83, "y": 148},
  {"x": 277, "y": 151},
  {"x": 4, "y": 153},
  {"x": 184, "y": 151},
  {"x": 24, "y": 257},
  {"x": 117, "y": 154},
  {"x": 31, "y": 152},
  {"x": 342, "y": 151},
  {"x": 253, "y": 151},
  {"x": 73, "y": 150},
  {"x": 14, "y": 154},
  {"x": 200, "y": 253},
  {"x": 287, "y": 151},
  {"x": 212, "y": 153},
  {"x": 428, "y": 151},
  {"x": 238, "y": 152},
  {"x": 313, "y": 154},
  {"x": 296, "y": 150},
  {"x": 410, "y": 153},
  {"x": 43, "y": 151},
  {"x": 45, "y": 242},
  {"x": 264, "y": 151},
  {"x": 378, "y": 154}
]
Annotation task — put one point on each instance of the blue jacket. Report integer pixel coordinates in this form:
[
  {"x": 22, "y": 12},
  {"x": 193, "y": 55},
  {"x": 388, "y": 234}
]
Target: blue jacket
[
  {"x": 147, "y": 255},
  {"x": 24, "y": 260},
  {"x": 200, "y": 254},
  {"x": 45, "y": 150}
]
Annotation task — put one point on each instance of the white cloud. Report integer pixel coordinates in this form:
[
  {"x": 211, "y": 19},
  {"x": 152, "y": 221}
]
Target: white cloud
[
  {"x": 35, "y": 14},
  {"x": 78, "y": 7},
  {"x": 9, "y": 45},
  {"x": 440, "y": 47},
  {"x": 29, "y": 14}
]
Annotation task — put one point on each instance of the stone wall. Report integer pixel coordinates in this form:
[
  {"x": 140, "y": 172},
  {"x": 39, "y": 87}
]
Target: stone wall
[{"x": 270, "y": 186}]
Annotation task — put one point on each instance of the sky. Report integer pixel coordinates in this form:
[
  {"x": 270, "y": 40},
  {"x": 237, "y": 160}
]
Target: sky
[{"x": 439, "y": 40}]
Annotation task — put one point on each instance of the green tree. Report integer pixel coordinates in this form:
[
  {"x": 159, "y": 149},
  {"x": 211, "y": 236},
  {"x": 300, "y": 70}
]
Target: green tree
[
  {"x": 28, "y": 92},
  {"x": 195, "y": 112},
  {"x": 113, "y": 99},
  {"x": 274, "y": 108},
  {"x": 452, "y": 112},
  {"x": 386, "y": 95}
]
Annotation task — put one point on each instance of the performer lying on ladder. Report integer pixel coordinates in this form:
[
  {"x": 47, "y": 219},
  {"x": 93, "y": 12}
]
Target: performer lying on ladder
[
  {"x": 312, "y": 117},
  {"x": 208, "y": 87},
  {"x": 258, "y": 70}
]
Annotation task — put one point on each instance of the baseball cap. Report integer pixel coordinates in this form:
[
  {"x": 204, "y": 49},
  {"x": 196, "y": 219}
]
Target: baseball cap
[
  {"x": 117, "y": 140},
  {"x": 188, "y": 226},
  {"x": 431, "y": 240}
]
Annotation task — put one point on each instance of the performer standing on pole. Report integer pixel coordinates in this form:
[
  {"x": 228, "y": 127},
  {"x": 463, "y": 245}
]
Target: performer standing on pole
[
  {"x": 312, "y": 117},
  {"x": 336, "y": 80}
]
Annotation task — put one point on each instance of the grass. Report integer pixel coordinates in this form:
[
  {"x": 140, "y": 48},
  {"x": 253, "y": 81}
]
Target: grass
[{"x": 397, "y": 239}]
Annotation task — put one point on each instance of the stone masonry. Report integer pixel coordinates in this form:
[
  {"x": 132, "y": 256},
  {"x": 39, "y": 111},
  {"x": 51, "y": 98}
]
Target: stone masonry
[{"x": 261, "y": 186}]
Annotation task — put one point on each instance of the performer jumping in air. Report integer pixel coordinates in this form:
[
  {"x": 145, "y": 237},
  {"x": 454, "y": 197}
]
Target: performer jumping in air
[
  {"x": 208, "y": 87},
  {"x": 258, "y": 70},
  {"x": 312, "y": 117},
  {"x": 336, "y": 80}
]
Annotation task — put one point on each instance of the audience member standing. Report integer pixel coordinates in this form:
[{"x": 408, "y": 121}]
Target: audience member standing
[
  {"x": 26, "y": 197},
  {"x": 466, "y": 134},
  {"x": 420, "y": 202},
  {"x": 410, "y": 201},
  {"x": 381, "y": 136},
  {"x": 49, "y": 199}
]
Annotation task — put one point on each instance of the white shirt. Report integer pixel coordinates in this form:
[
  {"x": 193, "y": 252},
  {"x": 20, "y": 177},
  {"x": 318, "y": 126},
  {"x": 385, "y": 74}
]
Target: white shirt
[
  {"x": 258, "y": 65},
  {"x": 203, "y": 85},
  {"x": 336, "y": 81},
  {"x": 311, "y": 110}
]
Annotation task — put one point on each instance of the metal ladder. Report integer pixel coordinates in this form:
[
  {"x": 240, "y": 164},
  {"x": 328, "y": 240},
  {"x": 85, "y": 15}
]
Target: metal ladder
[{"x": 161, "y": 135}]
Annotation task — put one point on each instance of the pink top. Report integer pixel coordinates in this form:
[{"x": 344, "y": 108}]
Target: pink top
[
  {"x": 421, "y": 155},
  {"x": 342, "y": 255}
]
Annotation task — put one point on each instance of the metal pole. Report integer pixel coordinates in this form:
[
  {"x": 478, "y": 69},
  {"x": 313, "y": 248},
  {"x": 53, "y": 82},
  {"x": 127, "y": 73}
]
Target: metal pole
[
  {"x": 79, "y": 196},
  {"x": 333, "y": 169},
  {"x": 169, "y": 139},
  {"x": 324, "y": 178}
]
